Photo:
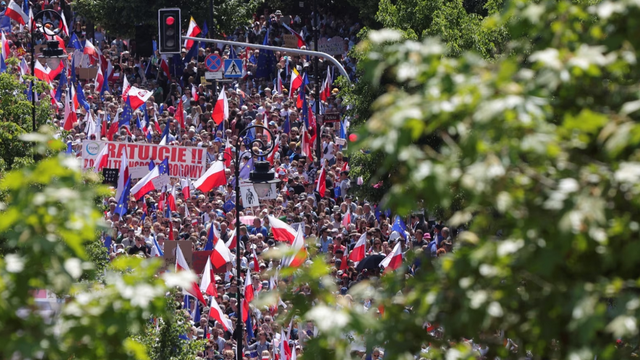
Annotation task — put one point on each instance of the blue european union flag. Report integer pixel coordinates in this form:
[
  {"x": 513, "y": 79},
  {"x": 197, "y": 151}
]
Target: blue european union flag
[
  {"x": 232, "y": 53},
  {"x": 205, "y": 29},
  {"x": 73, "y": 69},
  {"x": 105, "y": 86},
  {"x": 167, "y": 212},
  {"x": 75, "y": 42},
  {"x": 209, "y": 243},
  {"x": 177, "y": 66},
  {"x": 152, "y": 164},
  {"x": 81, "y": 99},
  {"x": 3, "y": 65},
  {"x": 399, "y": 226},
  {"x": 69, "y": 148},
  {"x": 123, "y": 202},
  {"x": 343, "y": 131},
  {"x": 30, "y": 91},
  {"x": 5, "y": 23},
  {"x": 138, "y": 124},
  {"x": 246, "y": 169},
  {"x": 266, "y": 60},
  {"x": 107, "y": 242},
  {"x": 164, "y": 167},
  {"x": 62, "y": 84},
  {"x": 193, "y": 52},
  {"x": 143, "y": 108},
  {"x": 228, "y": 206},
  {"x": 286, "y": 127},
  {"x": 126, "y": 115},
  {"x": 165, "y": 132},
  {"x": 148, "y": 72},
  {"x": 249, "y": 329}
]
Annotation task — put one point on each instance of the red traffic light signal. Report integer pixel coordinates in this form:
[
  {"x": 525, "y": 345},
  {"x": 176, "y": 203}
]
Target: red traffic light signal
[{"x": 169, "y": 32}]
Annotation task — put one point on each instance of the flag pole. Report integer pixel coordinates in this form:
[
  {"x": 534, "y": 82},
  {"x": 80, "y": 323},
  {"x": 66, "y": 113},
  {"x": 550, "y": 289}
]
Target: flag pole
[{"x": 316, "y": 64}]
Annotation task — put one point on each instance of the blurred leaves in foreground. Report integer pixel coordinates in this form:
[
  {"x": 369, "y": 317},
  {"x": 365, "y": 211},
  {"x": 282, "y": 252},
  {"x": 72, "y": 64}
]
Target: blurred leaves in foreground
[
  {"x": 47, "y": 219},
  {"x": 543, "y": 142}
]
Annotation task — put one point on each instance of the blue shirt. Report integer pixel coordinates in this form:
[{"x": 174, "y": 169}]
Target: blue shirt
[
  {"x": 262, "y": 230},
  {"x": 433, "y": 246},
  {"x": 324, "y": 244}
]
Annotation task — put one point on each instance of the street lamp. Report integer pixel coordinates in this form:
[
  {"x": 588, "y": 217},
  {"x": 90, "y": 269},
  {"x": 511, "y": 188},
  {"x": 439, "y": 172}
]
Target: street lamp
[
  {"x": 262, "y": 178},
  {"x": 52, "y": 53}
]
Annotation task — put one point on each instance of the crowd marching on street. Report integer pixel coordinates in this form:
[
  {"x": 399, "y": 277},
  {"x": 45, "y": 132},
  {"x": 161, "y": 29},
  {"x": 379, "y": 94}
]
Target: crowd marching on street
[{"x": 172, "y": 140}]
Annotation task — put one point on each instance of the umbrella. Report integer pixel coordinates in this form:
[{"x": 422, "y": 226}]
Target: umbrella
[
  {"x": 370, "y": 262},
  {"x": 247, "y": 220}
]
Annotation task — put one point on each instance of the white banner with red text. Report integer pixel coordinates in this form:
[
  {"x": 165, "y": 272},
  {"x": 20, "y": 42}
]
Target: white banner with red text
[{"x": 184, "y": 161}]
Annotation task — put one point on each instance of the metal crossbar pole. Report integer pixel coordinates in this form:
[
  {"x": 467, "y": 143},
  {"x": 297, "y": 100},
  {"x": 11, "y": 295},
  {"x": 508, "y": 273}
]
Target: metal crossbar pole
[{"x": 320, "y": 54}]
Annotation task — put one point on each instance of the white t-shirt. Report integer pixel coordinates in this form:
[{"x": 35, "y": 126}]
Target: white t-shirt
[{"x": 327, "y": 151}]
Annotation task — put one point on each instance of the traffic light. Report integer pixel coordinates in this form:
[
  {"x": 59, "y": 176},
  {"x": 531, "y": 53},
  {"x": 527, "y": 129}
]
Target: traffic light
[{"x": 169, "y": 31}]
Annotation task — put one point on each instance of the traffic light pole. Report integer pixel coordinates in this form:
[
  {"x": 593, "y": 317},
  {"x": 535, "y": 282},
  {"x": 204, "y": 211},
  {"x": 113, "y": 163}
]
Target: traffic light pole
[{"x": 319, "y": 54}]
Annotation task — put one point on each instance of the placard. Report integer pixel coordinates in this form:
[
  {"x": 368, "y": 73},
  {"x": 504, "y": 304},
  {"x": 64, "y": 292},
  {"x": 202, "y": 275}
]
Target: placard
[
  {"x": 110, "y": 176},
  {"x": 184, "y": 162},
  {"x": 170, "y": 253},
  {"x": 268, "y": 193},
  {"x": 86, "y": 73},
  {"x": 290, "y": 41},
  {"x": 331, "y": 117},
  {"x": 249, "y": 195},
  {"x": 333, "y": 46}
]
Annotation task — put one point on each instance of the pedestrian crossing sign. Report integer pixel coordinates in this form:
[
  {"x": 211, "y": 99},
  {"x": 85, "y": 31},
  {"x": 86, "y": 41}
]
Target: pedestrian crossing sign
[{"x": 233, "y": 68}]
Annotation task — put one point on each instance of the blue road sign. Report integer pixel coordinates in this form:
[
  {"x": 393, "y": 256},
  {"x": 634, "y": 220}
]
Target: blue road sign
[
  {"x": 213, "y": 62},
  {"x": 233, "y": 68}
]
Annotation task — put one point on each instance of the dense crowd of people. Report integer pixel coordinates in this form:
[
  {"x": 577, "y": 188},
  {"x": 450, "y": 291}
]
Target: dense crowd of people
[{"x": 179, "y": 112}]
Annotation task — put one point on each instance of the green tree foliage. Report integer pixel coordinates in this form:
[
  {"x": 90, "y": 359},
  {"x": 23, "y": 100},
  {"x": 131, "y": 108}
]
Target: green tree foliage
[
  {"x": 12, "y": 150},
  {"x": 16, "y": 119},
  {"x": 228, "y": 15},
  {"x": 544, "y": 145},
  {"x": 162, "y": 338},
  {"x": 460, "y": 25},
  {"x": 119, "y": 17},
  {"x": 49, "y": 222}
]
